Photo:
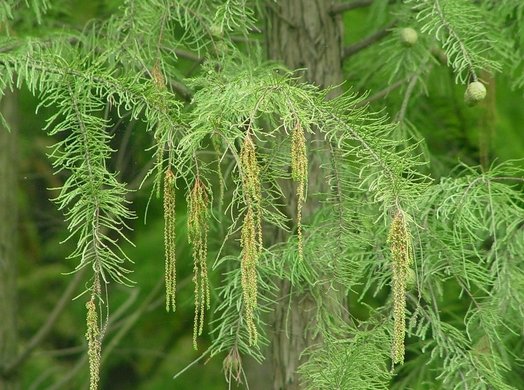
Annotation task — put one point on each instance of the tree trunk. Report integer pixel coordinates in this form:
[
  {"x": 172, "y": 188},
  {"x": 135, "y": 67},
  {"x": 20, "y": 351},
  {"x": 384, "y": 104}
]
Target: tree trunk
[
  {"x": 8, "y": 247},
  {"x": 305, "y": 37}
]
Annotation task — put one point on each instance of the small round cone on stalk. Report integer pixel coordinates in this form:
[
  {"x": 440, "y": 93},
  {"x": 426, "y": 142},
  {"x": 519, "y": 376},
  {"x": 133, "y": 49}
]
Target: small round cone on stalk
[
  {"x": 408, "y": 37},
  {"x": 475, "y": 93}
]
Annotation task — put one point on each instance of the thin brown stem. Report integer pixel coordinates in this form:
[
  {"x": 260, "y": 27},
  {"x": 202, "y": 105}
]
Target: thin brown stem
[
  {"x": 188, "y": 55},
  {"x": 343, "y": 7},
  {"x": 368, "y": 41},
  {"x": 42, "y": 333},
  {"x": 379, "y": 95},
  {"x": 131, "y": 320}
]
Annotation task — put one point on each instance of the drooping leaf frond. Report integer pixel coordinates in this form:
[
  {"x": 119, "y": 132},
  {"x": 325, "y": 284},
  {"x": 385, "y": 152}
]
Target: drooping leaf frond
[{"x": 467, "y": 38}]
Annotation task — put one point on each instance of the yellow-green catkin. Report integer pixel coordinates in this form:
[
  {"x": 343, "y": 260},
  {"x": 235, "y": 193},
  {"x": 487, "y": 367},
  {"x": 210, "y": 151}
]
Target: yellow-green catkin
[
  {"x": 170, "y": 239},
  {"x": 250, "y": 252},
  {"x": 94, "y": 344},
  {"x": 299, "y": 174},
  {"x": 251, "y": 234},
  {"x": 251, "y": 183},
  {"x": 197, "y": 229},
  {"x": 399, "y": 238}
]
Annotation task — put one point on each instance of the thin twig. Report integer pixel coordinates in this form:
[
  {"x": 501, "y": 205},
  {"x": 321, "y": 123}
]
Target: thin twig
[
  {"x": 368, "y": 41},
  {"x": 379, "y": 95},
  {"x": 180, "y": 88},
  {"x": 131, "y": 320},
  {"x": 405, "y": 101},
  {"x": 343, "y": 7},
  {"x": 188, "y": 55},
  {"x": 42, "y": 333},
  {"x": 70, "y": 374},
  {"x": 192, "y": 363}
]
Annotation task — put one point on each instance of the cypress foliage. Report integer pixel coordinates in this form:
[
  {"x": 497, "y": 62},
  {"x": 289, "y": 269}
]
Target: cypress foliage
[{"x": 231, "y": 134}]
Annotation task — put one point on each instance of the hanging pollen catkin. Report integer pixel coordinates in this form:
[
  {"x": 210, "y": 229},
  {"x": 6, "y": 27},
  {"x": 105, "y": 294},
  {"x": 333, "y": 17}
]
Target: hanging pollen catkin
[
  {"x": 299, "y": 174},
  {"x": 250, "y": 252},
  {"x": 94, "y": 345},
  {"x": 169, "y": 239},
  {"x": 251, "y": 233},
  {"x": 399, "y": 238},
  {"x": 251, "y": 184},
  {"x": 197, "y": 230}
]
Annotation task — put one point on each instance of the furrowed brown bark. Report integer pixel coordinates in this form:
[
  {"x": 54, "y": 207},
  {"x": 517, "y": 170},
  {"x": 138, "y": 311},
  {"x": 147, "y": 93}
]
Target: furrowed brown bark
[
  {"x": 8, "y": 243},
  {"x": 306, "y": 38}
]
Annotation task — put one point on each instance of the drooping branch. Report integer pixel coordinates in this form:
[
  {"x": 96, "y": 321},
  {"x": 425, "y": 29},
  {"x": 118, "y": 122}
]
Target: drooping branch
[{"x": 455, "y": 36}]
